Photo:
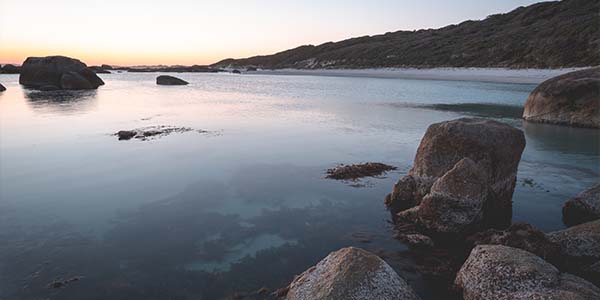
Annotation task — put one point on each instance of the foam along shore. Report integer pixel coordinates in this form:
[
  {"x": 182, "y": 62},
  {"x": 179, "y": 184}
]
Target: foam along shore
[{"x": 500, "y": 75}]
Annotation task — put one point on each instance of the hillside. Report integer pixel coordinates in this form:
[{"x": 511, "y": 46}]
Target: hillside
[{"x": 543, "y": 35}]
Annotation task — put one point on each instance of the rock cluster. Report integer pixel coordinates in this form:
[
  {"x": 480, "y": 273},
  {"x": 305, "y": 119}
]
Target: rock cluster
[
  {"x": 569, "y": 99},
  {"x": 58, "y": 73},
  {"x": 495, "y": 272},
  {"x": 462, "y": 179},
  {"x": 350, "y": 273}
]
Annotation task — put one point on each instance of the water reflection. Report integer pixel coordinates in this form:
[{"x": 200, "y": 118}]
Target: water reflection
[
  {"x": 564, "y": 139},
  {"x": 62, "y": 102}
]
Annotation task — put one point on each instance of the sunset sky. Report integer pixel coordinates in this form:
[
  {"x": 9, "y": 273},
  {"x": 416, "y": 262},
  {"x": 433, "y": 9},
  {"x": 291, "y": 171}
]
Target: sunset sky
[{"x": 137, "y": 32}]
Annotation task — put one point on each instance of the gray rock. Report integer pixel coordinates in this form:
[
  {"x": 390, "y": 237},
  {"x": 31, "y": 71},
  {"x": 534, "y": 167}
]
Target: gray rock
[
  {"x": 2, "y": 88},
  {"x": 581, "y": 245},
  {"x": 495, "y": 272},
  {"x": 58, "y": 73},
  {"x": 350, "y": 273},
  {"x": 169, "y": 80},
  {"x": 463, "y": 176},
  {"x": 583, "y": 208},
  {"x": 10, "y": 69},
  {"x": 570, "y": 99}
]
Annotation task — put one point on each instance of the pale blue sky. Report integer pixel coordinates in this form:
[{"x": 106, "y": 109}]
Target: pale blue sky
[{"x": 186, "y": 31}]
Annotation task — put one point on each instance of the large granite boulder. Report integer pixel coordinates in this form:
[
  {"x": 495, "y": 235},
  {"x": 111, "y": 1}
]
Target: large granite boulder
[
  {"x": 494, "y": 272},
  {"x": 169, "y": 80},
  {"x": 581, "y": 245},
  {"x": 58, "y": 73},
  {"x": 2, "y": 88},
  {"x": 350, "y": 273},
  {"x": 583, "y": 208},
  {"x": 569, "y": 99},
  {"x": 463, "y": 177}
]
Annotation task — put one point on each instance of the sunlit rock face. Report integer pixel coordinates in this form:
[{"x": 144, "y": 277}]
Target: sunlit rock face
[
  {"x": 463, "y": 177},
  {"x": 58, "y": 73},
  {"x": 570, "y": 99},
  {"x": 350, "y": 273},
  {"x": 495, "y": 272}
]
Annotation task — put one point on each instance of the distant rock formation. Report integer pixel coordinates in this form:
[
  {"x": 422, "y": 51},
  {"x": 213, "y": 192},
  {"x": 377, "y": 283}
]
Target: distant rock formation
[
  {"x": 2, "y": 88},
  {"x": 350, "y": 273},
  {"x": 170, "y": 80},
  {"x": 172, "y": 69},
  {"x": 58, "y": 73},
  {"x": 463, "y": 177},
  {"x": 570, "y": 99},
  {"x": 10, "y": 69},
  {"x": 99, "y": 70},
  {"x": 553, "y": 34},
  {"x": 583, "y": 208},
  {"x": 581, "y": 246},
  {"x": 495, "y": 272}
]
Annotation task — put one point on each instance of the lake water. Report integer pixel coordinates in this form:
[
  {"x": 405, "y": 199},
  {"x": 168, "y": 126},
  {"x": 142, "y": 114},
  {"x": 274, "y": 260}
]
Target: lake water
[{"x": 201, "y": 215}]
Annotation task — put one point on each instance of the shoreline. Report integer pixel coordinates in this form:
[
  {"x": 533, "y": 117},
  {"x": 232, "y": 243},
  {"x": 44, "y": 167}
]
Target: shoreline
[{"x": 495, "y": 75}]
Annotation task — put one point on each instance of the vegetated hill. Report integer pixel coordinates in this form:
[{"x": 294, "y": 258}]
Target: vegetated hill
[{"x": 543, "y": 35}]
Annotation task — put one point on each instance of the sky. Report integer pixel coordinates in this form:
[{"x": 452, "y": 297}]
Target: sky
[{"x": 186, "y": 32}]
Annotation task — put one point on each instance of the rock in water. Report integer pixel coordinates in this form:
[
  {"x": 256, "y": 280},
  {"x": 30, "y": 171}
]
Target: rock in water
[
  {"x": 350, "y": 273},
  {"x": 169, "y": 80},
  {"x": 583, "y": 208},
  {"x": 569, "y": 99},
  {"x": 2, "y": 88},
  {"x": 463, "y": 177},
  {"x": 58, "y": 73},
  {"x": 494, "y": 272},
  {"x": 581, "y": 245},
  {"x": 10, "y": 69}
]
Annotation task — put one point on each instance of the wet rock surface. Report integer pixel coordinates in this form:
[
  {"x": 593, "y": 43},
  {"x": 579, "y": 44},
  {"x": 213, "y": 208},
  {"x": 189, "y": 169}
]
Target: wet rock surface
[
  {"x": 463, "y": 177},
  {"x": 583, "y": 208},
  {"x": 523, "y": 236},
  {"x": 581, "y": 247},
  {"x": 152, "y": 132},
  {"x": 58, "y": 73},
  {"x": 570, "y": 99},
  {"x": 499, "y": 272},
  {"x": 350, "y": 273},
  {"x": 170, "y": 80},
  {"x": 357, "y": 171}
]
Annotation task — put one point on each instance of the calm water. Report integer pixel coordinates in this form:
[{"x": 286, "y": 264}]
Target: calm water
[{"x": 202, "y": 215}]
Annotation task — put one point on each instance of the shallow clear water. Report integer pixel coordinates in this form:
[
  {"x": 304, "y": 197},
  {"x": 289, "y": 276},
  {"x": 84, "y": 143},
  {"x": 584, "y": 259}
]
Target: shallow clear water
[{"x": 201, "y": 215}]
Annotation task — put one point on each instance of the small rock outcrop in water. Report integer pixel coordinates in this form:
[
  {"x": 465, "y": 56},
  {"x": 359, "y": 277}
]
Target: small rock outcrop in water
[
  {"x": 2, "y": 88},
  {"x": 354, "y": 172},
  {"x": 494, "y": 272},
  {"x": 463, "y": 177},
  {"x": 58, "y": 73},
  {"x": 169, "y": 80},
  {"x": 151, "y": 132},
  {"x": 584, "y": 207},
  {"x": 523, "y": 236},
  {"x": 581, "y": 245},
  {"x": 569, "y": 99},
  {"x": 99, "y": 70},
  {"x": 350, "y": 273},
  {"x": 10, "y": 69}
]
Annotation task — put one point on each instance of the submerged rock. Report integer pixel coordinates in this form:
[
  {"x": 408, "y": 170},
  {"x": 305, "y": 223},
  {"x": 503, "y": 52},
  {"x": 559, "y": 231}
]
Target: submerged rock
[
  {"x": 151, "y": 132},
  {"x": 236, "y": 72},
  {"x": 356, "y": 171},
  {"x": 463, "y": 177},
  {"x": 58, "y": 73},
  {"x": 523, "y": 236},
  {"x": 169, "y": 80},
  {"x": 350, "y": 273},
  {"x": 583, "y": 208},
  {"x": 2, "y": 88},
  {"x": 494, "y": 272},
  {"x": 569, "y": 99},
  {"x": 581, "y": 245}
]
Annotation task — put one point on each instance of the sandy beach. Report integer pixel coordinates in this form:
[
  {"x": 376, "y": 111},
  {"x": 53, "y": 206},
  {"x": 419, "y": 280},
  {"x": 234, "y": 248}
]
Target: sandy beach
[{"x": 501, "y": 75}]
